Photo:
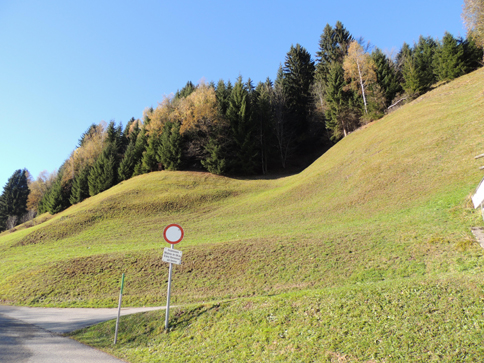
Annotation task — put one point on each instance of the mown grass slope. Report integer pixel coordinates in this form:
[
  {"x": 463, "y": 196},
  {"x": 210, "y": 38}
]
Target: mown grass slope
[{"x": 386, "y": 210}]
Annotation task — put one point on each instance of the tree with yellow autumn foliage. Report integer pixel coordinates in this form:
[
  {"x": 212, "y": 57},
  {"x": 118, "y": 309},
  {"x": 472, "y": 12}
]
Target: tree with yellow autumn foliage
[{"x": 359, "y": 70}]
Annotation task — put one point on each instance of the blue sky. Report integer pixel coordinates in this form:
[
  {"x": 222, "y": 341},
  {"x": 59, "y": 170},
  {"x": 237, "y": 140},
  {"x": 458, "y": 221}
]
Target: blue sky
[{"x": 67, "y": 64}]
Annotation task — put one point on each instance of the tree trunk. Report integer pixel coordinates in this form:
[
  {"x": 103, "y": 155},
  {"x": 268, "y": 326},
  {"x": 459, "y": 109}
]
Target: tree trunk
[{"x": 362, "y": 86}]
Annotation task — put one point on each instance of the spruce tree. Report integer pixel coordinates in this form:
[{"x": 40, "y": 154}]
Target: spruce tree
[
  {"x": 13, "y": 201},
  {"x": 80, "y": 186},
  {"x": 333, "y": 46},
  {"x": 170, "y": 147},
  {"x": 449, "y": 59},
  {"x": 387, "y": 77},
  {"x": 244, "y": 152},
  {"x": 185, "y": 91},
  {"x": 149, "y": 161},
  {"x": 214, "y": 162},
  {"x": 102, "y": 175},
  {"x": 126, "y": 167},
  {"x": 298, "y": 77},
  {"x": 222, "y": 93}
]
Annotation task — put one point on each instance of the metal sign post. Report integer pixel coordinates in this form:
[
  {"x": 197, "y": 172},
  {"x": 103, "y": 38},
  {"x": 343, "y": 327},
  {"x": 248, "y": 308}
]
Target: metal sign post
[
  {"x": 119, "y": 309},
  {"x": 172, "y": 234}
]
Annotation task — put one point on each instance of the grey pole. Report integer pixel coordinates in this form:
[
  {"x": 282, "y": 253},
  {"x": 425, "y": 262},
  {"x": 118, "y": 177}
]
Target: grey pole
[
  {"x": 119, "y": 310},
  {"x": 167, "y": 315}
]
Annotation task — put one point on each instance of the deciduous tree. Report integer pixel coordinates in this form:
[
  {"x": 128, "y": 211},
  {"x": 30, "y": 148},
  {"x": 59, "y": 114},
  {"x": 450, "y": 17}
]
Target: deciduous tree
[{"x": 359, "y": 70}]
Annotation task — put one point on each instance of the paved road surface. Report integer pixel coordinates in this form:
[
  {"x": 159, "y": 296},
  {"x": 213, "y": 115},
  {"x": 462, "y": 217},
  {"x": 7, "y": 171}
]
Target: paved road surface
[{"x": 31, "y": 335}]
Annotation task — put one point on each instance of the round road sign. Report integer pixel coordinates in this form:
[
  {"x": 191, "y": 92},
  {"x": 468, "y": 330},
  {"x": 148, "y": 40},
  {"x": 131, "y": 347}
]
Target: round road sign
[{"x": 173, "y": 233}]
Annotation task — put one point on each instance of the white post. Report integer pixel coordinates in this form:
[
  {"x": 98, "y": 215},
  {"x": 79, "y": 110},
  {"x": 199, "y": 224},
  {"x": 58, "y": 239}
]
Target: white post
[{"x": 167, "y": 314}]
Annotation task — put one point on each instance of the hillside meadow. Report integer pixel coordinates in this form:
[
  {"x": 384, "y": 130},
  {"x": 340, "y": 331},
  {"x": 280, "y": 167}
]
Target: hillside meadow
[{"x": 367, "y": 255}]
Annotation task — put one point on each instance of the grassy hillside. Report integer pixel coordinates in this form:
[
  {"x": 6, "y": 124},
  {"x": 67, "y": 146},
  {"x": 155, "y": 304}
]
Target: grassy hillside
[{"x": 370, "y": 248}]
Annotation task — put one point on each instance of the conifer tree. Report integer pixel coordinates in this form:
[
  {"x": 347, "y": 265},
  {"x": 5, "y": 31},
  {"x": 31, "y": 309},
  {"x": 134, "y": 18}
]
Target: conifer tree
[
  {"x": 13, "y": 201},
  {"x": 333, "y": 46},
  {"x": 55, "y": 200},
  {"x": 244, "y": 151},
  {"x": 222, "y": 92},
  {"x": 342, "y": 113},
  {"x": 298, "y": 77},
  {"x": 149, "y": 161},
  {"x": 386, "y": 75},
  {"x": 127, "y": 165},
  {"x": 102, "y": 175},
  {"x": 185, "y": 91},
  {"x": 170, "y": 147},
  {"x": 214, "y": 162},
  {"x": 80, "y": 186},
  {"x": 449, "y": 59}
]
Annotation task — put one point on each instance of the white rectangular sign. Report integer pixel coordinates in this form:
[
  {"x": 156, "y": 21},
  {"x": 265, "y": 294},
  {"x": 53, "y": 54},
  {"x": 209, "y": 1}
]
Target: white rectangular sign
[
  {"x": 172, "y": 256},
  {"x": 478, "y": 198}
]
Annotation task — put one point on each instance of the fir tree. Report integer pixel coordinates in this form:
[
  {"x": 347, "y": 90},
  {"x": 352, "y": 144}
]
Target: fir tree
[
  {"x": 342, "y": 107},
  {"x": 333, "y": 46},
  {"x": 242, "y": 129},
  {"x": 387, "y": 76},
  {"x": 222, "y": 93},
  {"x": 214, "y": 162},
  {"x": 80, "y": 186},
  {"x": 170, "y": 147},
  {"x": 149, "y": 161},
  {"x": 298, "y": 77},
  {"x": 102, "y": 175},
  {"x": 13, "y": 201},
  {"x": 185, "y": 91},
  {"x": 126, "y": 167}
]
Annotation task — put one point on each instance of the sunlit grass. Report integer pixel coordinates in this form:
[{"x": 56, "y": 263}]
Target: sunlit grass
[{"x": 375, "y": 235}]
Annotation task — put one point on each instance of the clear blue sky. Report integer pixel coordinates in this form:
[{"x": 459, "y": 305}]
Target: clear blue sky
[{"x": 67, "y": 64}]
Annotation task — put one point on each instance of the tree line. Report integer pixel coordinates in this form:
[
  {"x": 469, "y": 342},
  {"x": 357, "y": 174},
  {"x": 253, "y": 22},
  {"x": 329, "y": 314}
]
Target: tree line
[{"x": 246, "y": 129}]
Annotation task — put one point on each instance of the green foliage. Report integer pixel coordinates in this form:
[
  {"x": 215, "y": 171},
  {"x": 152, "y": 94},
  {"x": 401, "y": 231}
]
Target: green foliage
[
  {"x": 449, "y": 59},
  {"x": 170, "y": 147},
  {"x": 214, "y": 162},
  {"x": 128, "y": 163},
  {"x": 418, "y": 67},
  {"x": 387, "y": 77},
  {"x": 340, "y": 114},
  {"x": 243, "y": 152},
  {"x": 102, "y": 175},
  {"x": 298, "y": 76},
  {"x": 149, "y": 160},
  {"x": 185, "y": 91},
  {"x": 80, "y": 186},
  {"x": 333, "y": 46},
  {"x": 13, "y": 201}
]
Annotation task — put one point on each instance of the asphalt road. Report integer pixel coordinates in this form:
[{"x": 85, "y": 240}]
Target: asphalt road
[{"x": 32, "y": 335}]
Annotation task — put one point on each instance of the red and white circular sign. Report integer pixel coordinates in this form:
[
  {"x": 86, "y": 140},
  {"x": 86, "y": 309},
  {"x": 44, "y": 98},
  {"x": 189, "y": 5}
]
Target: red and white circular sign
[{"x": 173, "y": 233}]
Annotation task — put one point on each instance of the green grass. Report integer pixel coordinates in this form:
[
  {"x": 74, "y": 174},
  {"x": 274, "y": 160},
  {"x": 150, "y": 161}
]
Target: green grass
[{"x": 385, "y": 210}]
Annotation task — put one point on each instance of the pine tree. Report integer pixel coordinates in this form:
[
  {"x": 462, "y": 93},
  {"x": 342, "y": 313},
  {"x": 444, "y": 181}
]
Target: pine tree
[
  {"x": 449, "y": 59},
  {"x": 80, "y": 186},
  {"x": 264, "y": 120},
  {"x": 222, "y": 92},
  {"x": 126, "y": 167},
  {"x": 342, "y": 113},
  {"x": 298, "y": 77},
  {"x": 13, "y": 201},
  {"x": 214, "y": 162},
  {"x": 386, "y": 75},
  {"x": 418, "y": 67},
  {"x": 170, "y": 147},
  {"x": 102, "y": 175},
  {"x": 55, "y": 200},
  {"x": 185, "y": 91},
  {"x": 473, "y": 54},
  {"x": 333, "y": 46},
  {"x": 149, "y": 161},
  {"x": 242, "y": 130}
]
